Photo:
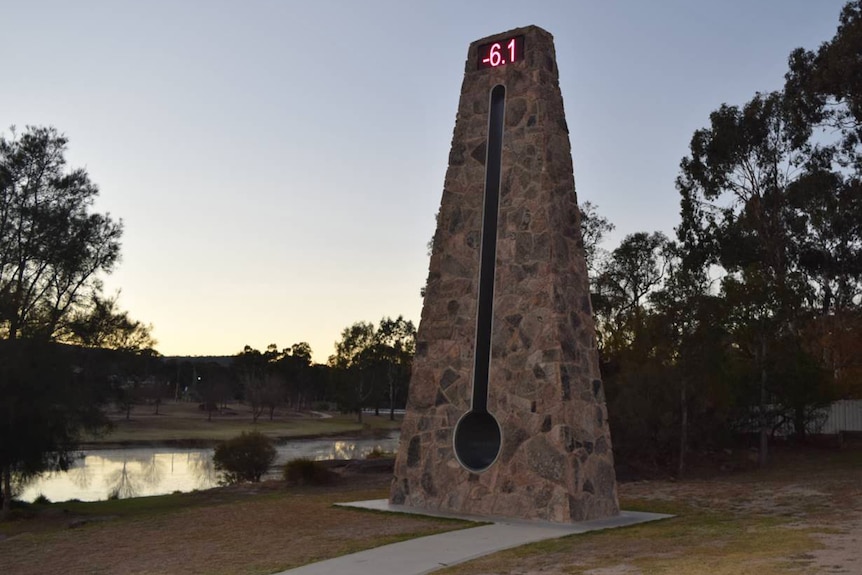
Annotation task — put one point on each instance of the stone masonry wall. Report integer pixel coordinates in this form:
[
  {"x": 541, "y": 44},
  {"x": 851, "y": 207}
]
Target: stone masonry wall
[{"x": 545, "y": 389}]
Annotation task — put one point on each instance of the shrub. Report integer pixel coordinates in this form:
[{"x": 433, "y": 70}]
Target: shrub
[
  {"x": 306, "y": 471},
  {"x": 320, "y": 406},
  {"x": 378, "y": 453},
  {"x": 244, "y": 458},
  {"x": 41, "y": 500}
]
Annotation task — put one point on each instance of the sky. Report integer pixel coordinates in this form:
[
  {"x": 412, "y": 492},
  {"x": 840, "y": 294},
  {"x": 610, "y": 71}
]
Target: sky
[{"x": 277, "y": 164}]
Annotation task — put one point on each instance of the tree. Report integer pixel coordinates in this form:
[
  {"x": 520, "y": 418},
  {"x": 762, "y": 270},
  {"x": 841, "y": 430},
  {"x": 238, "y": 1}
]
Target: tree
[
  {"x": 252, "y": 371},
  {"x": 633, "y": 270},
  {"x": 51, "y": 395},
  {"x": 212, "y": 385},
  {"x": 690, "y": 321},
  {"x": 244, "y": 458},
  {"x": 349, "y": 362},
  {"x": 594, "y": 228},
  {"x": 735, "y": 209},
  {"x": 824, "y": 87},
  {"x": 295, "y": 369},
  {"x": 51, "y": 246},
  {"x": 366, "y": 358},
  {"x": 102, "y": 325},
  {"x": 52, "y": 249},
  {"x": 395, "y": 344}
]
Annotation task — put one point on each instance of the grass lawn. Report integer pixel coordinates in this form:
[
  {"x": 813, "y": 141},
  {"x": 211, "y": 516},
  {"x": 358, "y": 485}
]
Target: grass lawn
[
  {"x": 802, "y": 515},
  {"x": 182, "y": 422},
  {"x": 238, "y": 530}
]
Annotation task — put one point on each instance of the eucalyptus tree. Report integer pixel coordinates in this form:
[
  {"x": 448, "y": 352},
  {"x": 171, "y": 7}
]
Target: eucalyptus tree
[
  {"x": 736, "y": 215},
  {"x": 824, "y": 87},
  {"x": 53, "y": 247},
  {"x": 350, "y": 365},
  {"x": 395, "y": 344},
  {"x": 374, "y": 362},
  {"x": 594, "y": 229},
  {"x": 632, "y": 271}
]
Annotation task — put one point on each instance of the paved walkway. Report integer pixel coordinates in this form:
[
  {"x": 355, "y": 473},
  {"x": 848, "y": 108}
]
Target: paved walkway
[{"x": 427, "y": 554}]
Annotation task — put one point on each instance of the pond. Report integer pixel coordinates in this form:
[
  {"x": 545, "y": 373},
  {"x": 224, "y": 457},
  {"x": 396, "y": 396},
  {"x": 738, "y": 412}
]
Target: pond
[{"x": 142, "y": 471}]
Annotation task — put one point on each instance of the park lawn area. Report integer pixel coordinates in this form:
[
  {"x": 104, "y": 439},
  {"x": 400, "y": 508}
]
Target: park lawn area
[
  {"x": 802, "y": 515},
  {"x": 243, "y": 530},
  {"x": 184, "y": 422}
]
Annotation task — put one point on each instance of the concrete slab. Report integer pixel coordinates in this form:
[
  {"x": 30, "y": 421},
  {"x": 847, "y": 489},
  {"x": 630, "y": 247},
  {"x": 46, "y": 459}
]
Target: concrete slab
[{"x": 427, "y": 554}]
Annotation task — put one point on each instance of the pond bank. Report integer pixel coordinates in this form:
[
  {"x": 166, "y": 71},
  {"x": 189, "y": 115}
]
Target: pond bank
[
  {"x": 136, "y": 471},
  {"x": 203, "y": 443}
]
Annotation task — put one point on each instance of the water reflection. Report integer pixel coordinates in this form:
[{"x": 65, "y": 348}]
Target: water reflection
[{"x": 137, "y": 472}]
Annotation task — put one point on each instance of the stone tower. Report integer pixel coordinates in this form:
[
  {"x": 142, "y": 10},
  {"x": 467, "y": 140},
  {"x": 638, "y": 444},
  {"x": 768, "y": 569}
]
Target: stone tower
[{"x": 506, "y": 414}]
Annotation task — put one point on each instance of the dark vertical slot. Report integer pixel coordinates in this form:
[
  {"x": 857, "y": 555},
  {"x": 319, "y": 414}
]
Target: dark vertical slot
[
  {"x": 488, "y": 257},
  {"x": 478, "y": 438}
]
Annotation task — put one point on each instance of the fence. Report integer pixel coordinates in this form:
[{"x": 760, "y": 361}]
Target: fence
[{"x": 844, "y": 415}]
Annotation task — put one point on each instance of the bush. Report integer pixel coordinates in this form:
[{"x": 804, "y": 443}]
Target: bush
[
  {"x": 306, "y": 471},
  {"x": 244, "y": 458},
  {"x": 378, "y": 453},
  {"x": 41, "y": 500}
]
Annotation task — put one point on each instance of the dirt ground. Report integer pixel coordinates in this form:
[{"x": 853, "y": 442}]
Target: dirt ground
[
  {"x": 802, "y": 515},
  {"x": 827, "y": 504}
]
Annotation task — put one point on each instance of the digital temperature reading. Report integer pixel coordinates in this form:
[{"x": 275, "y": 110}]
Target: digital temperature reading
[{"x": 501, "y": 53}]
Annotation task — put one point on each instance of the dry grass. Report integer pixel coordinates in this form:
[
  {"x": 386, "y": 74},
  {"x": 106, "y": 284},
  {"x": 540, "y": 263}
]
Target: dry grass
[
  {"x": 802, "y": 516},
  {"x": 182, "y": 422},
  {"x": 223, "y": 531}
]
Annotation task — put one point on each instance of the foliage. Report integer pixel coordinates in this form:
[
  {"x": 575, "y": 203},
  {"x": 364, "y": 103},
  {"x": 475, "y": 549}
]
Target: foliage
[
  {"x": 304, "y": 471},
  {"x": 372, "y": 365},
  {"x": 274, "y": 378},
  {"x": 52, "y": 249},
  {"x": 378, "y": 453},
  {"x": 749, "y": 321},
  {"x": 134, "y": 363},
  {"x": 51, "y": 244},
  {"x": 212, "y": 385},
  {"x": 594, "y": 228},
  {"x": 52, "y": 393},
  {"x": 245, "y": 458},
  {"x": 41, "y": 500}
]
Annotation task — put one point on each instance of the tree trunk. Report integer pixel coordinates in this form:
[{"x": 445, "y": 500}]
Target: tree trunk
[
  {"x": 7, "y": 492},
  {"x": 360, "y": 399},
  {"x": 683, "y": 430},
  {"x": 763, "y": 453},
  {"x": 391, "y": 394},
  {"x": 799, "y": 423}
]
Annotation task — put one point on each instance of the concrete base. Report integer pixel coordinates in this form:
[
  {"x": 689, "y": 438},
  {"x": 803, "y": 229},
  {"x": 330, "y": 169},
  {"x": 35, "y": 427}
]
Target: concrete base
[
  {"x": 427, "y": 554},
  {"x": 624, "y": 519}
]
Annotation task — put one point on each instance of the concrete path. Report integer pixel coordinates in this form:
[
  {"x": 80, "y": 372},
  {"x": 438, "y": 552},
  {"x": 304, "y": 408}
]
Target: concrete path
[{"x": 427, "y": 554}]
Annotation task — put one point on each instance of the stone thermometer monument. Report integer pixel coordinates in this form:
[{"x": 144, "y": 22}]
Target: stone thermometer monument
[{"x": 506, "y": 414}]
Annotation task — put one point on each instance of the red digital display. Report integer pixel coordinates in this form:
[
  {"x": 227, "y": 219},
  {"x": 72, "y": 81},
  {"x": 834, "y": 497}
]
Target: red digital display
[{"x": 501, "y": 53}]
